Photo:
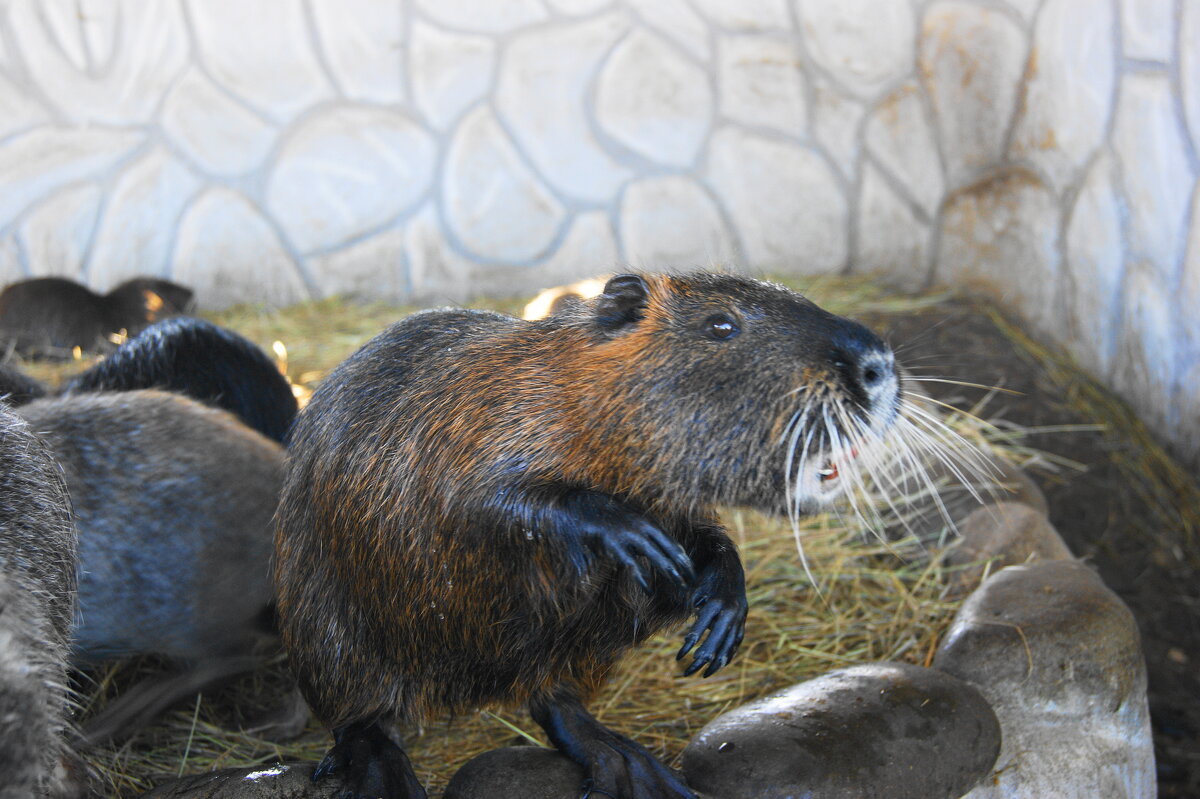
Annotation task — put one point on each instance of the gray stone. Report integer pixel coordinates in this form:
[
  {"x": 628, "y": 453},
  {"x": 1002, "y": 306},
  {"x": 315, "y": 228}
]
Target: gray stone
[
  {"x": 494, "y": 16},
  {"x": 541, "y": 93},
  {"x": 230, "y": 254},
  {"x": 761, "y": 83},
  {"x": 262, "y": 52},
  {"x": 746, "y": 15},
  {"x": 1156, "y": 173},
  {"x": 437, "y": 274},
  {"x": 1002, "y": 234},
  {"x": 1144, "y": 367},
  {"x": 899, "y": 135},
  {"x": 346, "y": 171},
  {"x": 450, "y": 72},
  {"x": 836, "y": 123},
  {"x": 272, "y": 781},
  {"x": 882, "y": 730},
  {"x": 18, "y": 111},
  {"x": 579, "y": 7},
  {"x": 528, "y": 772},
  {"x": 1068, "y": 96},
  {"x": 1003, "y": 534},
  {"x": 671, "y": 222},
  {"x": 220, "y": 135},
  {"x": 363, "y": 43},
  {"x": 1058, "y": 656},
  {"x": 654, "y": 101},
  {"x": 1095, "y": 267},
  {"x": 785, "y": 202},
  {"x": 676, "y": 19},
  {"x": 1189, "y": 70},
  {"x": 57, "y": 234},
  {"x": 37, "y": 163},
  {"x": 110, "y": 65},
  {"x": 891, "y": 238},
  {"x": 864, "y": 44},
  {"x": 372, "y": 269},
  {"x": 971, "y": 60},
  {"x": 493, "y": 202},
  {"x": 137, "y": 227},
  {"x": 10, "y": 260},
  {"x": 1146, "y": 29}
]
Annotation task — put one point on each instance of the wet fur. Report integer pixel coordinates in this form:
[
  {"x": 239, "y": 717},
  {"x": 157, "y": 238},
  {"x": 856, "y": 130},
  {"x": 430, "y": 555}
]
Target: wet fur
[{"x": 37, "y": 598}]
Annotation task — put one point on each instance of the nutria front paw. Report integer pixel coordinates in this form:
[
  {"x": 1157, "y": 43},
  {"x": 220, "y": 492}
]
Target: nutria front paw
[
  {"x": 371, "y": 765},
  {"x": 720, "y": 600}
]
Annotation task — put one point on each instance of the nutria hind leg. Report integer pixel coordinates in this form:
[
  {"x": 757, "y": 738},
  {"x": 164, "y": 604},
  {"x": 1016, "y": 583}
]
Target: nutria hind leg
[
  {"x": 372, "y": 766},
  {"x": 614, "y": 766}
]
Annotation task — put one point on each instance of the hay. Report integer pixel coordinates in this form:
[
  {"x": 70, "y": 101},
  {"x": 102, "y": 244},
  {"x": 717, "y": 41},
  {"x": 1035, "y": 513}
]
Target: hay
[{"x": 874, "y": 601}]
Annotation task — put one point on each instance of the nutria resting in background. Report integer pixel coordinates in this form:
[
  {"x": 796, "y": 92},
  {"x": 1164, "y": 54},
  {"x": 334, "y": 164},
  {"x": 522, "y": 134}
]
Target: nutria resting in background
[
  {"x": 484, "y": 510},
  {"x": 18, "y": 388},
  {"x": 173, "y": 502},
  {"x": 205, "y": 362},
  {"x": 47, "y": 317},
  {"x": 37, "y": 600}
]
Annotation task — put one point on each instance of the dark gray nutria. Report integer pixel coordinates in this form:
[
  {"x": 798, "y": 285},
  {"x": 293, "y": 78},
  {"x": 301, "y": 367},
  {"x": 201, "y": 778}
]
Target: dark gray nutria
[
  {"x": 173, "y": 502},
  {"x": 47, "y": 317},
  {"x": 482, "y": 510},
  {"x": 37, "y": 600},
  {"x": 18, "y": 388},
  {"x": 207, "y": 363}
]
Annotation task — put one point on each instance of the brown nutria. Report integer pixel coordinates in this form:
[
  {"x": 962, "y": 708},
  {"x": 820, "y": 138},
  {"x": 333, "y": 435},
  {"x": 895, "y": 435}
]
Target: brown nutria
[
  {"x": 173, "y": 502},
  {"x": 48, "y": 317},
  {"x": 37, "y": 601},
  {"x": 480, "y": 509}
]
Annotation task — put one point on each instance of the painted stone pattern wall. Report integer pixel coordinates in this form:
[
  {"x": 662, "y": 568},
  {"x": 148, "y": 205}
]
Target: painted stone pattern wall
[{"x": 427, "y": 150}]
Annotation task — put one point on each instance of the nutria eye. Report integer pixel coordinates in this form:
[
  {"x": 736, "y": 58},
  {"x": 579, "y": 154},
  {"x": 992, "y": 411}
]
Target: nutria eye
[{"x": 721, "y": 327}]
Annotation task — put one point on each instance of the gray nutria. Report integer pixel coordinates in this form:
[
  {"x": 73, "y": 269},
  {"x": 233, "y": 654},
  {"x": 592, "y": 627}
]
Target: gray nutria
[
  {"x": 483, "y": 510},
  {"x": 37, "y": 600},
  {"x": 48, "y": 317},
  {"x": 205, "y": 362},
  {"x": 18, "y": 388},
  {"x": 173, "y": 502}
]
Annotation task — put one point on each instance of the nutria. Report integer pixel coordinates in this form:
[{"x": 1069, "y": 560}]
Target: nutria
[
  {"x": 18, "y": 388},
  {"x": 37, "y": 600},
  {"x": 48, "y": 317},
  {"x": 173, "y": 502},
  {"x": 483, "y": 510},
  {"x": 203, "y": 361}
]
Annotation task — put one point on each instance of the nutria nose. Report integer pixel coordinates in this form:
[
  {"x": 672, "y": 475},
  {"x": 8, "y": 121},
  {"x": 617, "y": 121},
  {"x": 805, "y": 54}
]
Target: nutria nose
[{"x": 865, "y": 363}]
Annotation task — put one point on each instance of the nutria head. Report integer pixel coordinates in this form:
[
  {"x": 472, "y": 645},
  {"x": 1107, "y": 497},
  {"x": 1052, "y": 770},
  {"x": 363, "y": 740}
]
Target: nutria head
[{"x": 727, "y": 390}]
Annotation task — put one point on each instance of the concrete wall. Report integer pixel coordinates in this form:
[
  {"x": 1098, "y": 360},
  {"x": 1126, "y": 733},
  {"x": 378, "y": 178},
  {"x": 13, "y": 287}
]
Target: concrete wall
[{"x": 432, "y": 149}]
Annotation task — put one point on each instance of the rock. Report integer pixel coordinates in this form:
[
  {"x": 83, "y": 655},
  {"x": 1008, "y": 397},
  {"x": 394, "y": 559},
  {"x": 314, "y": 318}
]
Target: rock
[
  {"x": 677, "y": 20},
  {"x": 18, "y": 111},
  {"x": 837, "y": 120},
  {"x": 363, "y": 44},
  {"x": 541, "y": 96},
  {"x": 231, "y": 254},
  {"x": 761, "y": 83},
  {"x": 898, "y": 134},
  {"x": 654, "y": 101},
  {"x": 784, "y": 200},
  {"x": 882, "y": 730},
  {"x": 57, "y": 234},
  {"x": 436, "y": 273},
  {"x": 1145, "y": 365},
  {"x": 864, "y": 44},
  {"x": 891, "y": 238},
  {"x": 528, "y": 772},
  {"x": 1068, "y": 96},
  {"x": 971, "y": 60},
  {"x": 261, "y": 52},
  {"x": 1155, "y": 172},
  {"x": 1096, "y": 266},
  {"x": 746, "y": 15},
  {"x": 137, "y": 226},
  {"x": 672, "y": 222},
  {"x": 346, "y": 171},
  {"x": 11, "y": 269},
  {"x": 1003, "y": 534},
  {"x": 217, "y": 133},
  {"x": 493, "y": 202},
  {"x": 1059, "y": 657},
  {"x": 579, "y": 7},
  {"x": 494, "y": 16},
  {"x": 1189, "y": 70},
  {"x": 450, "y": 72},
  {"x": 1146, "y": 29},
  {"x": 278, "y": 781},
  {"x": 37, "y": 163},
  {"x": 371, "y": 269}
]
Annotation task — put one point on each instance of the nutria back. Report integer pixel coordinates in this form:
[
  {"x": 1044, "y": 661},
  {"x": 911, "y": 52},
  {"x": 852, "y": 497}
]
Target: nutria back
[
  {"x": 204, "y": 361},
  {"x": 173, "y": 502},
  {"x": 37, "y": 600}
]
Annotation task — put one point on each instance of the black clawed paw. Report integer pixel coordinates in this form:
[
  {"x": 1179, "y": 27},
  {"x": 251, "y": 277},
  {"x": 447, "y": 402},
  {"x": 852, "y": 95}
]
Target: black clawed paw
[{"x": 724, "y": 621}]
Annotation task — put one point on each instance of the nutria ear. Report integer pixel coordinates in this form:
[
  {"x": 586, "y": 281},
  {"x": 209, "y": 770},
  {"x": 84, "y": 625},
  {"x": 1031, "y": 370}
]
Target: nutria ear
[{"x": 623, "y": 301}]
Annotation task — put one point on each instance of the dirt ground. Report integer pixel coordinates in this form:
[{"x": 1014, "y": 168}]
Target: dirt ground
[{"x": 1104, "y": 516}]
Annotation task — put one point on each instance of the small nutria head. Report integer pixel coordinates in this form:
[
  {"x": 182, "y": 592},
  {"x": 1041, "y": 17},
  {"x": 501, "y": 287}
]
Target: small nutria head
[{"x": 727, "y": 390}]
